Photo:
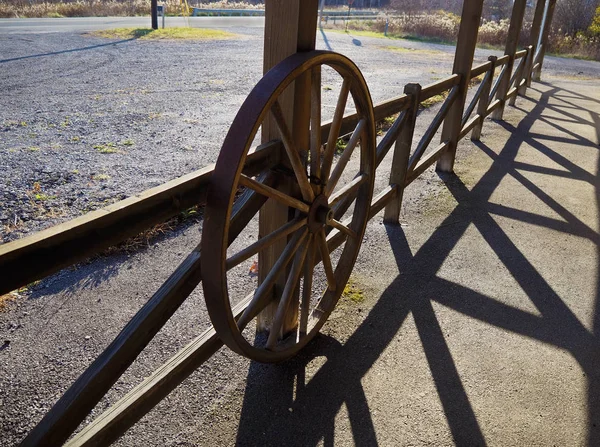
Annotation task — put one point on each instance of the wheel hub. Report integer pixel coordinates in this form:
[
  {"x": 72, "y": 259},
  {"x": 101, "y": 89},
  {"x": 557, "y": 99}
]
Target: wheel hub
[{"x": 319, "y": 214}]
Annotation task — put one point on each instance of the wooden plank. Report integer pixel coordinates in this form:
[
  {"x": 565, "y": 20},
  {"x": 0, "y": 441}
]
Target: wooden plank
[
  {"x": 536, "y": 28},
  {"x": 426, "y": 162},
  {"x": 463, "y": 61},
  {"x": 439, "y": 87},
  {"x": 493, "y": 106},
  {"x": 433, "y": 128},
  {"x": 503, "y": 60},
  {"x": 469, "y": 125},
  {"x": 55, "y": 248},
  {"x": 526, "y": 71},
  {"x": 484, "y": 101},
  {"x": 290, "y": 27},
  {"x": 117, "y": 419},
  {"x": 390, "y": 138},
  {"x": 514, "y": 31},
  {"x": 512, "y": 93},
  {"x": 480, "y": 69},
  {"x": 280, "y": 41},
  {"x": 81, "y": 397},
  {"x": 537, "y": 74},
  {"x": 501, "y": 76},
  {"x": 381, "y": 111},
  {"x": 402, "y": 153},
  {"x": 476, "y": 97},
  {"x": 520, "y": 54}
]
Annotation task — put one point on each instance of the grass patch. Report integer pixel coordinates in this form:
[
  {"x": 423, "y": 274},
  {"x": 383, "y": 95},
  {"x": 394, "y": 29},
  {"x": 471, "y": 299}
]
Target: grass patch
[
  {"x": 166, "y": 34},
  {"x": 353, "y": 293},
  {"x": 412, "y": 50},
  {"x": 108, "y": 148},
  {"x": 436, "y": 99}
]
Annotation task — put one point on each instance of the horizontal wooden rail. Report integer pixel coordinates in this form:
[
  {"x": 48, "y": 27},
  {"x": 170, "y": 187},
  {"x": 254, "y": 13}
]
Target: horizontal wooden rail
[
  {"x": 520, "y": 54},
  {"x": 48, "y": 251},
  {"x": 502, "y": 60},
  {"x": 480, "y": 69},
  {"x": 438, "y": 87}
]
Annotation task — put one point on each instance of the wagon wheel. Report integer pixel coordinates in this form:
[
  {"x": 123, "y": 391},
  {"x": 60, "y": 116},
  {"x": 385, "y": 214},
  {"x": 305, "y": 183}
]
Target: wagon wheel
[{"x": 322, "y": 184}]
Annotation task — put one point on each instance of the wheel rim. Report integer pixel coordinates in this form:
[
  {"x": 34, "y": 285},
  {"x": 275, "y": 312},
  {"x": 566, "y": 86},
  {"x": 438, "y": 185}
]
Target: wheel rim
[{"x": 320, "y": 201}]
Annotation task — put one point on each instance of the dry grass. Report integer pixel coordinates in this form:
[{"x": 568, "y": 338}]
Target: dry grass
[
  {"x": 443, "y": 27},
  {"x": 5, "y": 300},
  {"x": 95, "y": 8},
  {"x": 164, "y": 34}
]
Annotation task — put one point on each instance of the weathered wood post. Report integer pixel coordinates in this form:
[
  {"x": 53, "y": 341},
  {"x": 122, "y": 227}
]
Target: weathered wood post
[
  {"x": 402, "y": 154},
  {"x": 484, "y": 101},
  {"x": 512, "y": 42},
  {"x": 290, "y": 27},
  {"x": 547, "y": 24},
  {"x": 463, "y": 61},
  {"x": 522, "y": 89},
  {"x": 534, "y": 37}
]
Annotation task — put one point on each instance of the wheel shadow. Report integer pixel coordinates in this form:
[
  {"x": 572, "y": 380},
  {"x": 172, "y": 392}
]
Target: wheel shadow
[{"x": 281, "y": 407}]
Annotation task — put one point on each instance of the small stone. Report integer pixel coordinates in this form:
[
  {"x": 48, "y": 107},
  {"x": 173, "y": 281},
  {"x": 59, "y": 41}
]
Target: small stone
[{"x": 87, "y": 337}]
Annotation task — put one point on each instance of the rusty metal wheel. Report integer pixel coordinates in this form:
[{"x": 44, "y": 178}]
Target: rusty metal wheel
[{"x": 327, "y": 190}]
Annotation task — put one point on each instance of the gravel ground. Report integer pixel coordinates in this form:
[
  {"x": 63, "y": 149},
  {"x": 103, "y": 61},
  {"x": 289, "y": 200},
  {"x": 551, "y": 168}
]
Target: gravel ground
[{"x": 95, "y": 134}]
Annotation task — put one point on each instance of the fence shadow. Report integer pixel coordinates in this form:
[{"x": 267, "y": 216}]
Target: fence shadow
[{"x": 280, "y": 408}]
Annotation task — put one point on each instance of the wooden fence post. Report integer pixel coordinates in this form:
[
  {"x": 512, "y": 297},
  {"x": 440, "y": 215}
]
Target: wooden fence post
[
  {"x": 484, "y": 101},
  {"x": 290, "y": 26},
  {"x": 463, "y": 62},
  {"x": 402, "y": 154},
  {"x": 526, "y": 68},
  {"x": 534, "y": 38},
  {"x": 512, "y": 42},
  {"x": 537, "y": 72}
]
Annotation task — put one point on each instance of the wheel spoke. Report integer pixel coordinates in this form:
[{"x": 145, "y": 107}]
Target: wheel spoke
[
  {"x": 345, "y": 157},
  {"x": 264, "y": 242},
  {"x": 348, "y": 191},
  {"x": 334, "y": 130},
  {"x": 288, "y": 292},
  {"x": 326, "y": 258},
  {"x": 343, "y": 228},
  {"x": 273, "y": 193},
  {"x": 292, "y": 152},
  {"x": 309, "y": 268},
  {"x": 261, "y": 296},
  {"x": 315, "y": 123}
]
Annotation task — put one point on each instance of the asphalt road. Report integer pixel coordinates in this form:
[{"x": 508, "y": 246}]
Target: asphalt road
[{"x": 79, "y": 24}]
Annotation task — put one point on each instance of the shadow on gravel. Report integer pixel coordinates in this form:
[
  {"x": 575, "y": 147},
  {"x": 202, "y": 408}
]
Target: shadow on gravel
[
  {"x": 74, "y": 50},
  {"x": 281, "y": 408}
]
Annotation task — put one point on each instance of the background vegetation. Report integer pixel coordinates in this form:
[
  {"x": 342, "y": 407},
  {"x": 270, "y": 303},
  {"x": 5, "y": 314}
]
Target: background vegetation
[{"x": 575, "y": 28}]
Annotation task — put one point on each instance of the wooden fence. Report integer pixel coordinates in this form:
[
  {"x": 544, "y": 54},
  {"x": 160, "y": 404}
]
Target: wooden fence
[{"x": 37, "y": 256}]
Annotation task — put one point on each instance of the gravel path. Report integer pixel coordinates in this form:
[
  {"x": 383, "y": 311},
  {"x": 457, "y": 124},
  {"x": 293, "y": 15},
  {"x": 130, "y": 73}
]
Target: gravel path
[{"x": 86, "y": 122}]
